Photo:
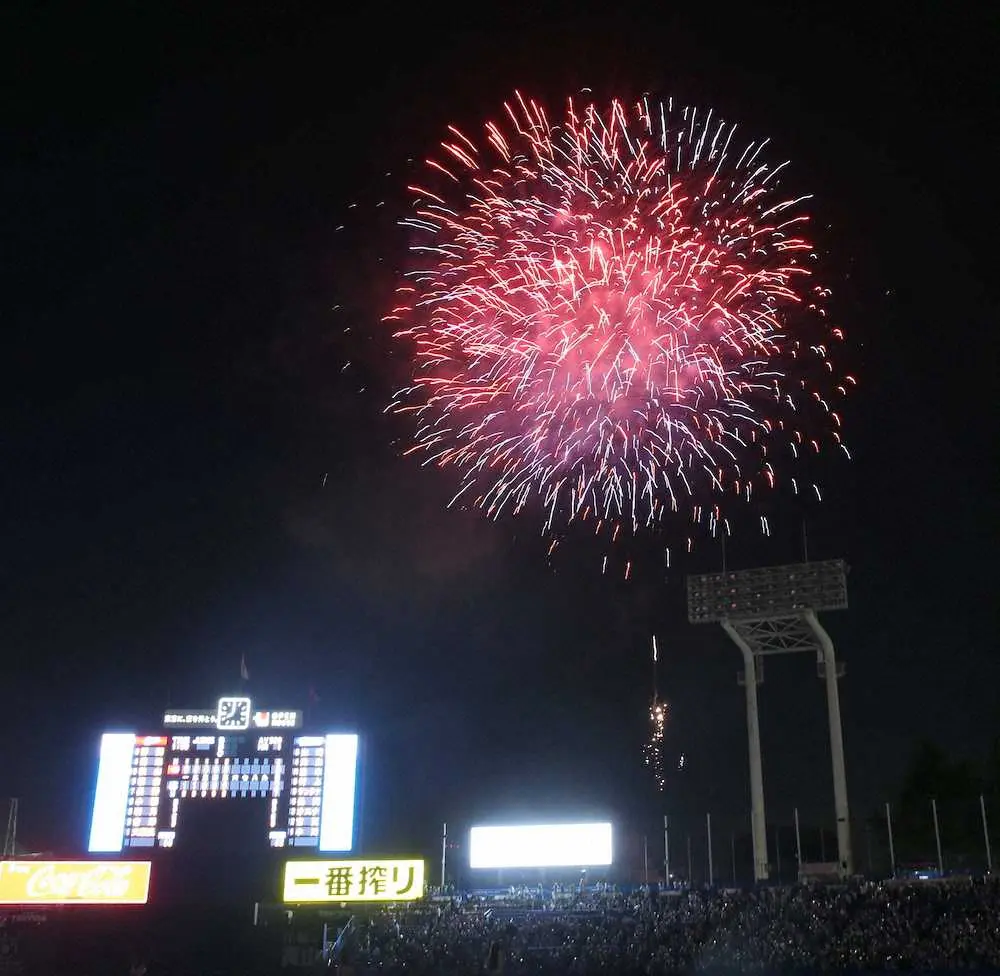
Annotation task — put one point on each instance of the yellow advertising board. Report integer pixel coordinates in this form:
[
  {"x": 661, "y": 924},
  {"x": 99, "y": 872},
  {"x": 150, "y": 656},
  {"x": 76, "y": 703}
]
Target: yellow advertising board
[
  {"x": 343, "y": 881},
  {"x": 74, "y": 882}
]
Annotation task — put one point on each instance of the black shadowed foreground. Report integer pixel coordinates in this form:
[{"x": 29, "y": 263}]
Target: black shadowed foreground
[{"x": 931, "y": 927}]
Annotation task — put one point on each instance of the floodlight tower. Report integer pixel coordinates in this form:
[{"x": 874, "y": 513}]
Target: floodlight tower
[{"x": 773, "y": 611}]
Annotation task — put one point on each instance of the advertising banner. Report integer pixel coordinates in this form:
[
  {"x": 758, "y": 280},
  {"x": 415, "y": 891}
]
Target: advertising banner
[
  {"x": 353, "y": 881},
  {"x": 74, "y": 882}
]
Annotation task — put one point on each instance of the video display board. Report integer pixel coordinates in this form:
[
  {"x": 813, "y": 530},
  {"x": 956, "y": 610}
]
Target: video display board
[
  {"x": 541, "y": 846},
  {"x": 305, "y": 784}
]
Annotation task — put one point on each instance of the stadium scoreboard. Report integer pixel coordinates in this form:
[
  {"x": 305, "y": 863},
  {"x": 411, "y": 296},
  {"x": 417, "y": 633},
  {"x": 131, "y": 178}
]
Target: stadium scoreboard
[{"x": 304, "y": 784}]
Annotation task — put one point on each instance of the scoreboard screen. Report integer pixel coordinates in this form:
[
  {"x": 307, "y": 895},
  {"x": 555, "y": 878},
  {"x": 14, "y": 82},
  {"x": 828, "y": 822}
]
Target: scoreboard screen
[{"x": 305, "y": 785}]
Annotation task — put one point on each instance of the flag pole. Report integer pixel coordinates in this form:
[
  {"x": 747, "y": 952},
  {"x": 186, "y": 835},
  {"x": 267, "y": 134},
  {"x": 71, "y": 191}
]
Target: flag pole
[
  {"x": 892, "y": 845},
  {"x": 986, "y": 833},
  {"x": 444, "y": 856}
]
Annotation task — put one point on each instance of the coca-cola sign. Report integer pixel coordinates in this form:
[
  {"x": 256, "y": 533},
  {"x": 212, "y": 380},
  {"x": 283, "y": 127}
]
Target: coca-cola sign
[{"x": 74, "y": 882}]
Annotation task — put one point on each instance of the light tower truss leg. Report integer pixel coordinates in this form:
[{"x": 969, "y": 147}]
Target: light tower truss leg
[
  {"x": 831, "y": 675},
  {"x": 792, "y": 635},
  {"x": 758, "y": 824},
  {"x": 772, "y": 610}
]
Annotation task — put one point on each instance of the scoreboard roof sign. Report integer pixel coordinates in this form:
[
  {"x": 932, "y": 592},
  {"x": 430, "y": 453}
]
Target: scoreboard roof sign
[
  {"x": 353, "y": 881},
  {"x": 74, "y": 882},
  {"x": 232, "y": 713}
]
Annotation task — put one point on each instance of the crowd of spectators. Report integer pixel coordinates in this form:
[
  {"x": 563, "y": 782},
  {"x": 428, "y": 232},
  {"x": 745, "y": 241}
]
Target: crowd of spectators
[{"x": 866, "y": 926}]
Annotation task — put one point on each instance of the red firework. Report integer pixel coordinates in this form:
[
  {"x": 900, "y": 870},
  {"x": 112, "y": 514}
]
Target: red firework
[{"x": 613, "y": 312}]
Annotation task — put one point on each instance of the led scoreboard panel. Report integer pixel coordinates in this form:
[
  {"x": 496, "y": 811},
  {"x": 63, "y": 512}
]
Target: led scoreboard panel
[{"x": 305, "y": 784}]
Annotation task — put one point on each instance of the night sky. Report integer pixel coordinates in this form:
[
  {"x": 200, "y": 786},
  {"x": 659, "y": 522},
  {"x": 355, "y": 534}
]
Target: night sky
[{"x": 191, "y": 220}]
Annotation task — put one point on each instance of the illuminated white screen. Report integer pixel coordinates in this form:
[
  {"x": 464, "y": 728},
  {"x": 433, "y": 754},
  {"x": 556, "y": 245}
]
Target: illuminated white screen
[
  {"x": 543, "y": 846},
  {"x": 340, "y": 774},
  {"x": 107, "y": 828}
]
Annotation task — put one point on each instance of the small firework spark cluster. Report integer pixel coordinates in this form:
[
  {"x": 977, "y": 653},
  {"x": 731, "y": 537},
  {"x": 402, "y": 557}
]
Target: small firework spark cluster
[
  {"x": 614, "y": 314},
  {"x": 654, "y": 744},
  {"x": 658, "y": 711}
]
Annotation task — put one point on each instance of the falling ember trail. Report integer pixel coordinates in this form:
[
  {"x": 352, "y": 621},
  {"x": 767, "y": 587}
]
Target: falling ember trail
[
  {"x": 611, "y": 314},
  {"x": 653, "y": 751}
]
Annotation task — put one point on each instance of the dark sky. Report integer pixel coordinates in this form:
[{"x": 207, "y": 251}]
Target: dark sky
[{"x": 189, "y": 475}]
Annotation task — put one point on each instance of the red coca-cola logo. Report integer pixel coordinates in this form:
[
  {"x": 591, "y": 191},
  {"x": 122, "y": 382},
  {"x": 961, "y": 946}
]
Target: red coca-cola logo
[{"x": 97, "y": 882}]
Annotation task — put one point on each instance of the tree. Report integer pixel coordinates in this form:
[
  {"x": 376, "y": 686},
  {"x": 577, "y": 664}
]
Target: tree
[{"x": 955, "y": 786}]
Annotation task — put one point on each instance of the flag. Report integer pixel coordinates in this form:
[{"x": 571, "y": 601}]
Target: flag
[
  {"x": 244, "y": 674},
  {"x": 313, "y": 697}
]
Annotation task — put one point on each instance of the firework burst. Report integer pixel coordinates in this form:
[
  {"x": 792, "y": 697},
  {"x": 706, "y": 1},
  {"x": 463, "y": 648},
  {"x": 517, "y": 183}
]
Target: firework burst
[{"x": 614, "y": 315}]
